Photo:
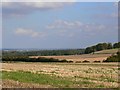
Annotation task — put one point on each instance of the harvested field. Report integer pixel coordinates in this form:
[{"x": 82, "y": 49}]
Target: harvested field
[
  {"x": 74, "y": 58},
  {"x": 78, "y": 75},
  {"x": 16, "y": 84}
]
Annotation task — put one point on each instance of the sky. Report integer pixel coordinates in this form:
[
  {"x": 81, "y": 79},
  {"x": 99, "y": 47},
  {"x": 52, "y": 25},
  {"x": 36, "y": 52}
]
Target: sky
[{"x": 58, "y": 25}]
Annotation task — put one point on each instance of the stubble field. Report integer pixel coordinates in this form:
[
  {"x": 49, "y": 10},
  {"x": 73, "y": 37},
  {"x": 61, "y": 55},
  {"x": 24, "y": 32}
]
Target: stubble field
[
  {"x": 76, "y": 75},
  {"x": 79, "y": 58}
]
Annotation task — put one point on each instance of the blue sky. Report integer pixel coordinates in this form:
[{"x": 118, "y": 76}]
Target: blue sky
[{"x": 58, "y": 25}]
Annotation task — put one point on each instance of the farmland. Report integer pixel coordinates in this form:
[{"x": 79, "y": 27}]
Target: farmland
[
  {"x": 59, "y": 44},
  {"x": 76, "y": 58},
  {"x": 89, "y": 75},
  {"x": 97, "y": 56},
  {"x": 77, "y": 74}
]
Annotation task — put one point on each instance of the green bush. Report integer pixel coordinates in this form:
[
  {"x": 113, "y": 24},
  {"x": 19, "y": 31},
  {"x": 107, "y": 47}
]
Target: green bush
[
  {"x": 97, "y": 61},
  {"x": 113, "y": 58},
  {"x": 85, "y": 61}
]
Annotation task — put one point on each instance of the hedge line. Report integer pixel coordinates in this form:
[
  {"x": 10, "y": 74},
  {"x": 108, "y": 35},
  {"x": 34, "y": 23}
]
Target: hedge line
[{"x": 27, "y": 59}]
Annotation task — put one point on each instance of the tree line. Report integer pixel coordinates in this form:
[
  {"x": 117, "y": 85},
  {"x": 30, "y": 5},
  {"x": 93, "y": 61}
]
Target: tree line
[
  {"x": 27, "y": 59},
  {"x": 44, "y": 52},
  {"x": 24, "y": 55},
  {"x": 101, "y": 46},
  {"x": 91, "y": 49}
]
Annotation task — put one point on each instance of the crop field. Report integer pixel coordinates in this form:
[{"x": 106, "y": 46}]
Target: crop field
[
  {"x": 73, "y": 75},
  {"x": 77, "y": 58},
  {"x": 109, "y": 51}
]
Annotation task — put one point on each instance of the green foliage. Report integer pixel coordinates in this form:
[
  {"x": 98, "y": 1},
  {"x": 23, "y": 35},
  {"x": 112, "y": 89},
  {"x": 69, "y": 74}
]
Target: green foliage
[
  {"x": 43, "y": 52},
  {"x": 113, "y": 58},
  {"x": 116, "y": 45},
  {"x": 27, "y": 59},
  {"x": 17, "y": 55},
  {"x": 98, "y": 47},
  {"x": 88, "y": 50}
]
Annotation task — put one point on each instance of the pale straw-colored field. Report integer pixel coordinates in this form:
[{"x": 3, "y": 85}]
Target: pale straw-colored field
[{"x": 99, "y": 74}]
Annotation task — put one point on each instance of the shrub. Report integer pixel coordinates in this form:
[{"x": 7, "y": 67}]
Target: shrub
[
  {"x": 78, "y": 62},
  {"x": 64, "y": 60},
  {"x": 85, "y": 61},
  {"x": 27, "y": 59},
  {"x": 97, "y": 61},
  {"x": 70, "y": 61},
  {"x": 113, "y": 58}
]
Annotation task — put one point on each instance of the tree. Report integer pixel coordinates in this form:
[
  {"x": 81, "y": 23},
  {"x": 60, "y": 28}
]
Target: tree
[
  {"x": 99, "y": 47},
  {"x": 109, "y": 46},
  {"x": 116, "y": 45},
  {"x": 88, "y": 50}
]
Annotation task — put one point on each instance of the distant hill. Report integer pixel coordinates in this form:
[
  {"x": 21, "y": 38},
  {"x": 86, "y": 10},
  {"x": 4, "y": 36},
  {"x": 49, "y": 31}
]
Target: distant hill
[{"x": 108, "y": 51}]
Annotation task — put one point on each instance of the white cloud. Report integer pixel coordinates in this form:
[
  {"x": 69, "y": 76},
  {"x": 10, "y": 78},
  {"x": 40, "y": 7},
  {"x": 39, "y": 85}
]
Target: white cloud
[
  {"x": 39, "y": 5},
  {"x": 28, "y": 32},
  {"x": 39, "y": 0},
  {"x": 72, "y": 28},
  {"x": 62, "y": 24},
  {"x": 60, "y": 0},
  {"x": 23, "y": 8},
  {"x": 74, "y": 25}
]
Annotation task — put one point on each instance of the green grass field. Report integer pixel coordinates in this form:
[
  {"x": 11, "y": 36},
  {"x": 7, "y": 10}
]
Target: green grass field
[
  {"x": 29, "y": 77},
  {"x": 53, "y": 80}
]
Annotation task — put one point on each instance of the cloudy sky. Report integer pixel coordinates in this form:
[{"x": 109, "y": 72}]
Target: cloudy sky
[{"x": 50, "y": 25}]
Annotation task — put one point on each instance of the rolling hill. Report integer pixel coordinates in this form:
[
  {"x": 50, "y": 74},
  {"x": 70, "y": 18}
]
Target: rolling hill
[
  {"x": 97, "y": 56},
  {"x": 109, "y": 51}
]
